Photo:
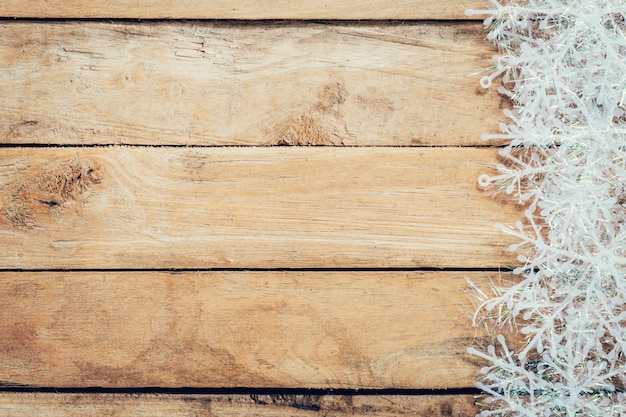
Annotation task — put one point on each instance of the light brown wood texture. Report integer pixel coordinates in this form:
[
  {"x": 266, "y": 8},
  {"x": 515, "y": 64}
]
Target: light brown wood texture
[
  {"x": 118, "y": 405},
  {"x": 242, "y": 9},
  {"x": 393, "y": 99},
  {"x": 230, "y": 207},
  {"x": 239, "y": 329},
  {"x": 215, "y": 83}
]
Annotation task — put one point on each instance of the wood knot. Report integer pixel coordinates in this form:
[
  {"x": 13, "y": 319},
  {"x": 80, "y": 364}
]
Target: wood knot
[
  {"x": 310, "y": 130},
  {"x": 42, "y": 191},
  {"x": 321, "y": 124}
]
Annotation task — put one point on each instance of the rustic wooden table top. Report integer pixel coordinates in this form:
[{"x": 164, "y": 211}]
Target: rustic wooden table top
[{"x": 211, "y": 208}]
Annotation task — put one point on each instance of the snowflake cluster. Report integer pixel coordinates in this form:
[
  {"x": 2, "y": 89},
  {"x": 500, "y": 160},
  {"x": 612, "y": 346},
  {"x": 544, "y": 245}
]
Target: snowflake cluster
[{"x": 563, "y": 66}]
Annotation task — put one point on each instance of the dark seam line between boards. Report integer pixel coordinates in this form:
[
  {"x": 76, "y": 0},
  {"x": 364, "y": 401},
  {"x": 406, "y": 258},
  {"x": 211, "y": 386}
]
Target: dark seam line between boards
[
  {"x": 196, "y": 146},
  {"x": 235, "y": 21},
  {"x": 243, "y": 391},
  {"x": 263, "y": 391},
  {"x": 174, "y": 270}
]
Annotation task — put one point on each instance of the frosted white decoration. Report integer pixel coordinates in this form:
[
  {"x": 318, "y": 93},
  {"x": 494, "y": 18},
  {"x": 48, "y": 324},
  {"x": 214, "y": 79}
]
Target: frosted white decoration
[{"x": 563, "y": 65}]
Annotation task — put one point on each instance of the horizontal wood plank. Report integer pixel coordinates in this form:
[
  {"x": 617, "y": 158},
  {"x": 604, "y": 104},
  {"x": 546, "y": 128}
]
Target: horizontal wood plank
[
  {"x": 241, "y": 9},
  {"x": 288, "y": 207},
  {"x": 239, "y": 329},
  {"x": 212, "y": 83},
  {"x": 98, "y": 405}
]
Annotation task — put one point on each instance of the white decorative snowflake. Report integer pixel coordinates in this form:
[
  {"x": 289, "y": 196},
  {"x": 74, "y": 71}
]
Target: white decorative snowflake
[{"x": 563, "y": 65}]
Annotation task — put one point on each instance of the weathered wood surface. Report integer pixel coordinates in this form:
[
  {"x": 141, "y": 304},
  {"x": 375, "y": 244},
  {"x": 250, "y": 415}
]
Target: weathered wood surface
[
  {"x": 211, "y": 83},
  {"x": 98, "y": 405},
  {"x": 241, "y": 9},
  {"x": 243, "y": 83},
  {"x": 230, "y": 207},
  {"x": 239, "y": 329}
]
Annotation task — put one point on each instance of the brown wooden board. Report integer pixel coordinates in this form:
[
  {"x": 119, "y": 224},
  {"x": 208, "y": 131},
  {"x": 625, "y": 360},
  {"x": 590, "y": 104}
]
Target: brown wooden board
[
  {"x": 240, "y": 329},
  {"x": 289, "y": 207},
  {"x": 122, "y": 217},
  {"x": 118, "y": 405},
  {"x": 216, "y": 83},
  {"x": 242, "y": 9}
]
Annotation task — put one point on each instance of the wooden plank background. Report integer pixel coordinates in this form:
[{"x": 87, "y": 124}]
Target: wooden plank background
[
  {"x": 240, "y": 329},
  {"x": 200, "y": 83},
  {"x": 141, "y": 208},
  {"x": 155, "y": 237},
  {"x": 242, "y": 9}
]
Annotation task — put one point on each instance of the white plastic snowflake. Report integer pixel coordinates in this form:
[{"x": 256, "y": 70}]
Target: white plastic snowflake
[{"x": 563, "y": 65}]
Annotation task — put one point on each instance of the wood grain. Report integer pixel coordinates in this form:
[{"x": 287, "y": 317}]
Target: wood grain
[
  {"x": 241, "y": 9},
  {"x": 239, "y": 329},
  {"x": 98, "y": 405},
  {"x": 288, "y": 207},
  {"x": 216, "y": 83}
]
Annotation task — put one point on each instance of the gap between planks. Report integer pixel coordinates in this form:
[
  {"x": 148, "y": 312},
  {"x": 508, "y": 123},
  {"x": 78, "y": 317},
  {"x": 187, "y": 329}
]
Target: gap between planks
[
  {"x": 97, "y": 405},
  {"x": 242, "y": 9},
  {"x": 370, "y": 330},
  {"x": 225, "y": 83}
]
